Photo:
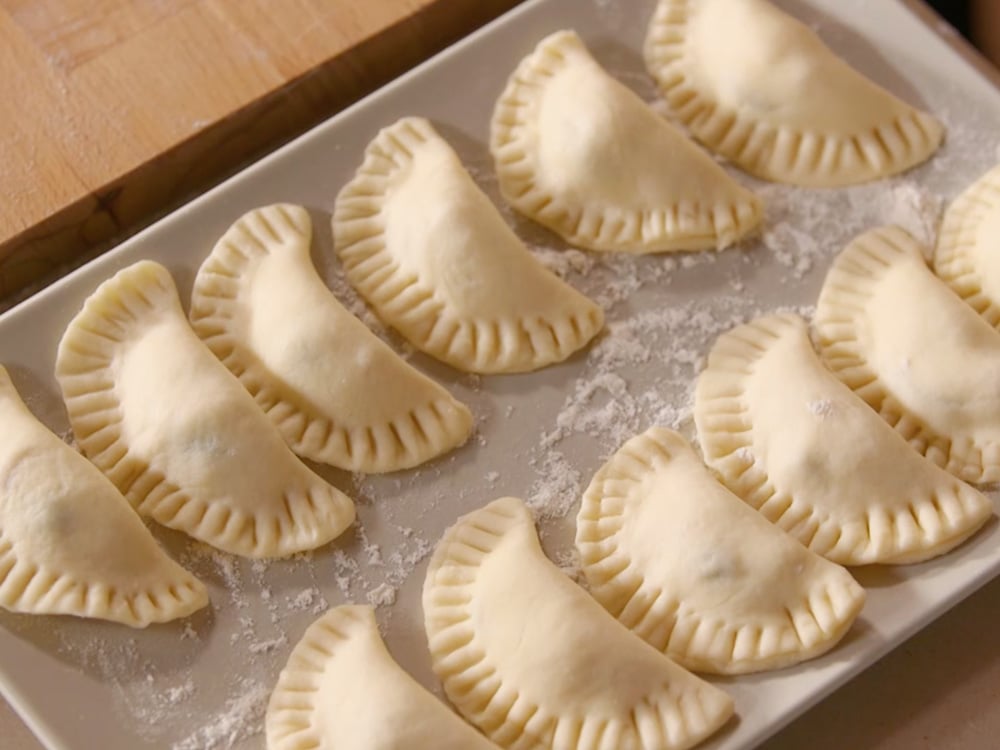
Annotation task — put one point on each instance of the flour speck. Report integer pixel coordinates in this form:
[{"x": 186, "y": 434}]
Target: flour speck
[{"x": 821, "y": 407}]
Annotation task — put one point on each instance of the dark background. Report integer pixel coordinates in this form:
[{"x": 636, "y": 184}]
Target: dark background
[
  {"x": 956, "y": 12},
  {"x": 977, "y": 20}
]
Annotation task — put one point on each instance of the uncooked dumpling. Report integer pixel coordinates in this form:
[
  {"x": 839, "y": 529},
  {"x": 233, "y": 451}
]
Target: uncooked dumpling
[
  {"x": 69, "y": 542},
  {"x": 913, "y": 350},
  {"x": 968, "y": 250},
  {"x": 335, "y": 391},
  {"x": 795, "y": 443},
  {"x": 761, "y": 89},
  {"x": 432, "y": 255},
  {"x": 697, "y": 573},
  {"x": 579, "y": 152},
  {"x": 178, "y": 434},
  {"x": 532, "y": 660},
  {"x": 341, "y": 690}
]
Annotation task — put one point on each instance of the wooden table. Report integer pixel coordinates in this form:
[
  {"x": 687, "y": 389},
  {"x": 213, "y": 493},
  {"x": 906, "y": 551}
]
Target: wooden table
[
  {"x": 114, "y": 112},
  {"x": 70, "y": 191}
]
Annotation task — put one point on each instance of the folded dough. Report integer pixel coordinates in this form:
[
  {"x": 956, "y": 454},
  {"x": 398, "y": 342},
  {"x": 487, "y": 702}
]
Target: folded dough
[
  {"x": 69, "y": 542},
  {"x": 968, "y": 251},
  {"x": 795, "y": 443},
  {"x": 341, "y": 690},
  {"x": 429, "y": 251},
  {"x": 335, "y": 391},
  {"x": 579, "y": 152},
  {"x": 760, "y": 88},
  {"x": 697, "y": 573},
  {"x": 913, "y": 350},
  {"x": 528, "y": 657},
  {"x": 178, "y": 434}
]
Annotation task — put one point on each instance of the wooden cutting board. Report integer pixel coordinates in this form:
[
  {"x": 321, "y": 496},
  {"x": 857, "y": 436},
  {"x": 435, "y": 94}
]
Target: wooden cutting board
[{"x": 112, "y": 112}]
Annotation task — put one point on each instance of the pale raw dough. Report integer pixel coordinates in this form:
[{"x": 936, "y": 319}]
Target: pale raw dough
[
  {"x": 582, "y": 154},
  {"x": 178, "y": 434},
  {"x": 761, "y": 89},
  {"x": 432, "y": 255},
  {"x": 968, "y": 250},
  {"x": 69, "y": 542},
  {"x": 341, "y": 690},
  {"x": 335, "y": 391},
  {"x": 532, "y": 660},
  {"x": 697, "y": 573},
  {"x": 913, "y": 350},
  {"x": 795, "y": 443}
]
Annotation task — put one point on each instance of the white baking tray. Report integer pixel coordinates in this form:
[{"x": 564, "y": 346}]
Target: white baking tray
[{"x": 203, "y": 684}]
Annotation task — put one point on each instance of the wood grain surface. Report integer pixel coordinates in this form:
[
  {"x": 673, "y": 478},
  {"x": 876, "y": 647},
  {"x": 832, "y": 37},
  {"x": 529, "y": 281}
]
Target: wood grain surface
[{"x": 113, "y": 112}]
